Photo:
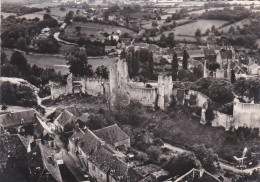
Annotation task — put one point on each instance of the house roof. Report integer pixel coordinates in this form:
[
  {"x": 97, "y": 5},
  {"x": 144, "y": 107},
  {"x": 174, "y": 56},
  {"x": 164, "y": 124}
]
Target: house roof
[
  {"x": 103, "y": 159},
  {"x": 17, "y": 118},
  {"x": 111, "y": 134},
  {"x": 253, "y": 66},
  {"x": 14, "y": 145},
  {"x": 65, "y": 117},
  {"x": 198, "y": 53},
  {"x": 87, "y": 141},
  {"x": 198, "y": 176},
  {"x": 73, "y": 110},
  {"x": 226, "y": 54},
  {"x": 209, "y": 52},
  {"x": 49, "y": 162},
  {"x": 108, "y": 163}
]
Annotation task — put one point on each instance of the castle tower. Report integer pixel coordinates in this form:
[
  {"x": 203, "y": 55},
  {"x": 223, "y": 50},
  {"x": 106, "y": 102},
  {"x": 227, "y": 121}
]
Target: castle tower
[
  {"x": 205, "y": 75},
  {"x": 165, "y": 86},
  {"x": 229, "y": 71},
  {"x": 69, "y": 87}
]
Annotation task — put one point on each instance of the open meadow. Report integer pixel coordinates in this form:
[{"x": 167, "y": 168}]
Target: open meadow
[
  {"x": 92, "y": 31},
  {"x": 60, "y": 64},
  {"x": 203, "y": 25}
]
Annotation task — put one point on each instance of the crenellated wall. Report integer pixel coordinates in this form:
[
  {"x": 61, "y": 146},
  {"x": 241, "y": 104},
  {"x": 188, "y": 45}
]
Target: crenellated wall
[
  {"x": 145, "y": 96},
  {"x": 246, "y": 114},
  {"x": 118, "y": 85},
  {"x": 95, "y": 86}
]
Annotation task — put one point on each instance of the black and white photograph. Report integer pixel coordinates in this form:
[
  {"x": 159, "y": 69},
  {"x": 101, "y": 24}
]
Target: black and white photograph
[{"x": 130, "y": 91}]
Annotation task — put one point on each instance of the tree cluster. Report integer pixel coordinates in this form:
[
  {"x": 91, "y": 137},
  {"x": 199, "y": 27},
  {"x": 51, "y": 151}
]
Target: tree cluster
[
  {"x": 78, "y": 63},
  {"x": 140, "y": 63},
  {"x": 18, "y": 67}
]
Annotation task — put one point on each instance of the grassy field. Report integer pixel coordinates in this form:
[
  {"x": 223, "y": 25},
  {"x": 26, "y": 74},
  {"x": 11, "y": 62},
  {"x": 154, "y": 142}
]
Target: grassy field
[
  {"x": 59, "y": 64},
  {"x": 199, "y": 12},
  {"x": 180, "y": 128},
  {"x": 92, "y": 30},
  {"x": 239, "y": 23},
  {"x": 203, "y": 25},
  {"x": 55, "y": 13}
]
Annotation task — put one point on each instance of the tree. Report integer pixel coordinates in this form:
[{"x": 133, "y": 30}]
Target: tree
[
  {"x": 207, "y": 31},
  {"x": 198, "y": 33},
  {"x": 233, "y": 77},
  {"x": 231, "y": 30},
  {"x": 102, "y": 72},
  {"x": 19, "y": 60},
  {"x": 206, "y": 156},
  {"x": 4, "y": 107},
  {"x": 175, "y": 66},
  {"x": 50, "y": 45},
  {"x": 78, "y": 64},
  {"x": 123, "y": 54},
  {"x": 154, "y": 153},
  {"x": 3, "y": 58},
  {"x": 68, "y": 17},
  {"x": 185, "y": 60},
  {"x": 78, "y": 28},
  {"x": 154, "y": 24},
  {"x": 181, "y": 164},
  {"x": 168, "y": 19},
  {"x": 213, "y": 28},
  {"x": 9, "y": 70},
  {"x": 246, "y": 87},
  {"x": 221, "y": 91},
  {"x": 213, "y": 66},
  {"x": 21, "y": 43}
]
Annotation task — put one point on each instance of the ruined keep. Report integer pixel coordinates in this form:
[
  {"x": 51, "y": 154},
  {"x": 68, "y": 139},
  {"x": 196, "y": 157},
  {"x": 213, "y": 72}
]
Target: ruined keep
[{"x": 119, "y": 86}]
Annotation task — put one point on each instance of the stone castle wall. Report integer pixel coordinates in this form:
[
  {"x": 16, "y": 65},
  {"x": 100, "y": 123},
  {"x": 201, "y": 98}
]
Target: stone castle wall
[
  {"x": 246, "y": 114},
  {"x": 223, "y": 120},
  {"x": 119, "y": 84},
  {"x": 146, "y": 96}
]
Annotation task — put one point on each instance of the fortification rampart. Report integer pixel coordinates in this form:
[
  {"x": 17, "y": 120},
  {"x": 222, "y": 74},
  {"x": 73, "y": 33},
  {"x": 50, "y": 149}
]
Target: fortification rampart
[
  {"x": 145, "y": 96},
  {"x": 119, "y": 84},
  {"x": 246, "y": 114},
  {"x": 221, "y": 119},
  {"x": 201, "y": 99}
]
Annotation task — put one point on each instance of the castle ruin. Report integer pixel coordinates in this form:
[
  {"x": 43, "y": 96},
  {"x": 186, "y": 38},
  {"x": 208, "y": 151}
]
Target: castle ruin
[{"x": 119, "y": 85}]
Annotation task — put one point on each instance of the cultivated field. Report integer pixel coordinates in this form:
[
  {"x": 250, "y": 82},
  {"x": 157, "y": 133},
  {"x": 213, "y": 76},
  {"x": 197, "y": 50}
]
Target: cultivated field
[
  {"x": 203, "y": 25},
  {"x": 93, "y": 31}
]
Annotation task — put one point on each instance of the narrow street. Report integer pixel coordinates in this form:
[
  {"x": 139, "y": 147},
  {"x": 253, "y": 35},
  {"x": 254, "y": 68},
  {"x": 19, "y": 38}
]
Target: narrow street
[{"x": 68, "y": 160}]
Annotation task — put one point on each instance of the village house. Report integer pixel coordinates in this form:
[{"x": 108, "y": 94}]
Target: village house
[
  {"x": 64, "y": 122},
  {"x": 113, "y": 135},
  {"x": 197, "y": 54},
  {"x": 254, "y": 69},
  {"x": 81, "y": 145},
  {"x": 198, "y": 176},
  {"x": 223, "y": 57},
  {"x": 43, "y": 165},
  {"x": 105, "y": 167},
  {"x": 16, "y": 120},
  {"x": 14, "y": 149}
]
